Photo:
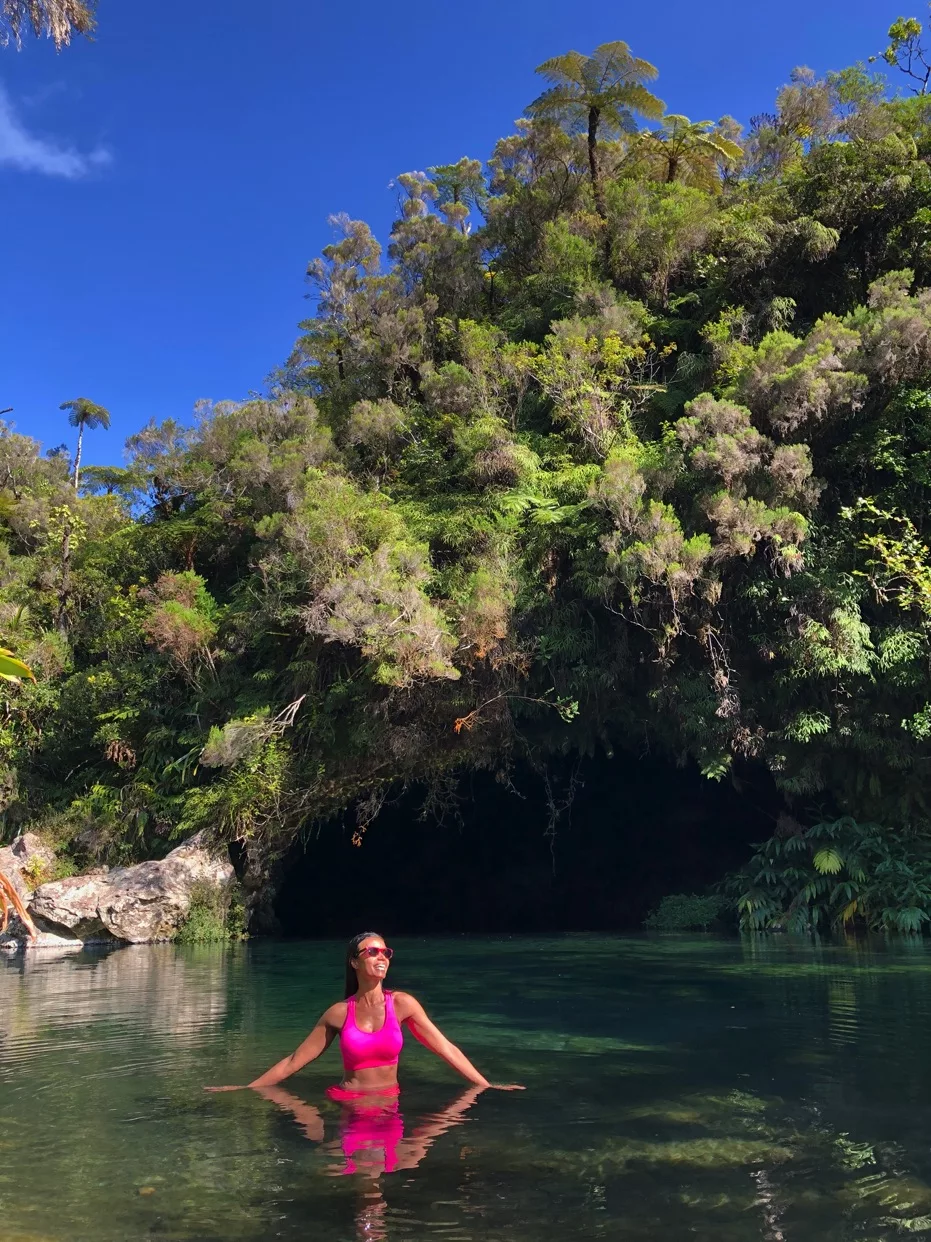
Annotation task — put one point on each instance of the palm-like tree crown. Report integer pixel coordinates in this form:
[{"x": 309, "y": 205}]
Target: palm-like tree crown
[
  {"x": 611, "y": 81},
  {"x": 84, "y": 413},
  {"x": 689, "y": 151},
  {"x": 603, "y": 93}
]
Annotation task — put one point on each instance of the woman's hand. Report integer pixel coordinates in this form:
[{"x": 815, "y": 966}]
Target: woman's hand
[{"x": 216, "y": 1089}]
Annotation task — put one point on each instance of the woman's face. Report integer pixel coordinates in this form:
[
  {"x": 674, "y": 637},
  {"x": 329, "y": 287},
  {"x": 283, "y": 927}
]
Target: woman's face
[{"x": 371, "y": 965}]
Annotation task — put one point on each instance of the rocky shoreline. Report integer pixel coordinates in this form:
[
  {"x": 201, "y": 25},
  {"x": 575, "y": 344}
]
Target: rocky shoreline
[{"x": 140, "y": 904}]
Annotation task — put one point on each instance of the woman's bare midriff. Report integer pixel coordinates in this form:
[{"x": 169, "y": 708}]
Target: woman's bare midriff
[{"x": 376, "y": 1079}]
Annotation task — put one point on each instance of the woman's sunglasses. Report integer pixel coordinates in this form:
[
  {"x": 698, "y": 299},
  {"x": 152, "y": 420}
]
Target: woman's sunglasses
[{"x": 374, "y": 951}]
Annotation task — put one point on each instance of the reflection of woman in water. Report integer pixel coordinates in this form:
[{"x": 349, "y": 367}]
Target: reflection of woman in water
[
  {"x": 372, "y": 1139},
  {"x": 372, "y": 1142},
  {"x": 368, "y": 1023}
]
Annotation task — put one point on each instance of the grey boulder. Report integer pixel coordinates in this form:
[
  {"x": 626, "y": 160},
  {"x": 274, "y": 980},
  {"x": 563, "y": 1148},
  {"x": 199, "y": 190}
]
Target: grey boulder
[
  {"x": 139, "y": 904},
  {"x": 73, "y": 904}
]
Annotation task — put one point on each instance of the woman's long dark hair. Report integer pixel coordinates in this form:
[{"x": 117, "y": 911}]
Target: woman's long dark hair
[{"x": 352, "y": 951}]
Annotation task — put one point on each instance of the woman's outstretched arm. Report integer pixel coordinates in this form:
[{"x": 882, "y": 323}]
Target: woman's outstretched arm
[
  {"x": 316, "y": 1042},
  {"x": 426, "y": 1032}
]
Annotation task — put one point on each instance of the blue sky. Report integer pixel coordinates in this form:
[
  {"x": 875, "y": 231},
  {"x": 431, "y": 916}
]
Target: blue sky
[{"x": 164, "y": 187}]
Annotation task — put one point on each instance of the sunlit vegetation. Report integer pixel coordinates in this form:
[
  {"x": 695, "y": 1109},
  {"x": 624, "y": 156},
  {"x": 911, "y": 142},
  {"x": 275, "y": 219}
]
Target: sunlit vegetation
[
  {"x": 625, "y": 436},
  {"x": 216, "y": 916}
]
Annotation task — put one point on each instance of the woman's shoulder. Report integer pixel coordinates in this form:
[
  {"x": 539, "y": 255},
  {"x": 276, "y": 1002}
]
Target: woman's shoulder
[
  {"x": 404, "y": 1003},
  {"x": 336, "y": 1014}
]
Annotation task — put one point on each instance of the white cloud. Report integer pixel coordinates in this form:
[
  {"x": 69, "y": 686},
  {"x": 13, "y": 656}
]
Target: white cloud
[{"x": 29, "y": 153}]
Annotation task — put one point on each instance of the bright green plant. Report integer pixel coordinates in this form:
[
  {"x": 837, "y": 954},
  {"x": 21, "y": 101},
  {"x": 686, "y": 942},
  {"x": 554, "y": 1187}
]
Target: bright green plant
[
  {"x": 215, "y": 916},
  {"x": 690, "y": 151}
]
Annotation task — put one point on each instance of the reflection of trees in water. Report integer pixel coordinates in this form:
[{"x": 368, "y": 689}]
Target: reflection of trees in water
[
  {"x": 158, "y": 988},
  {"x": 97, "y": 1057}
]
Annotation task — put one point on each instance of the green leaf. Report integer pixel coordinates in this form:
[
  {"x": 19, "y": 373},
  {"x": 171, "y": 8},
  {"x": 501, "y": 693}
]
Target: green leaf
[
  {"x": 828, "y": 862},
  {"x": 12, "y": 669}
]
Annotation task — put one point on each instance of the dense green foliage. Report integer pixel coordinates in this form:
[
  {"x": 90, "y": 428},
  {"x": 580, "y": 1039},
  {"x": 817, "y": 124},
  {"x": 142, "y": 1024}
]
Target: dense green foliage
[
  {"x": 215, "y": 916},
  {"x": 627, "y": 441},
  {"x": 687, "y": 912},
  {"x": 834, "y": 875}
]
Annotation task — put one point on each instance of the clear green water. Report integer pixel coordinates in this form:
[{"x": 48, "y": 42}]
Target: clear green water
[{"x": 677, "y": 1088}]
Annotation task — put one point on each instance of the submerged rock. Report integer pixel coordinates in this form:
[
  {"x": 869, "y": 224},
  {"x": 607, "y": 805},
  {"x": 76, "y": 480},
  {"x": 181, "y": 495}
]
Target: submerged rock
[
  {"x": 16, "y": 939},
  {"x": 139, "y": 904}
]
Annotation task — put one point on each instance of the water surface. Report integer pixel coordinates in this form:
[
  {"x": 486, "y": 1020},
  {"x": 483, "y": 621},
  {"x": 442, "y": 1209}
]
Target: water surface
[{"x": 677, "y": 1087}]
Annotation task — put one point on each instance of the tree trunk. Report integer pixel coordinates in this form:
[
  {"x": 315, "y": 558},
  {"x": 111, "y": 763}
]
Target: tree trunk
[
  {"x": 594, "y": 117},
  {"x": 672, "y": 168},
  {"x": 65, "y": 593},
  {"x": 462, "y": 223},
  {"x": 77, "y": 456}
]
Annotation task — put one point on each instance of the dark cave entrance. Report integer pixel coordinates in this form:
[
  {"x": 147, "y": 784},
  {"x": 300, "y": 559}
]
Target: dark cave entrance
[{"x": 637, "y": 829}]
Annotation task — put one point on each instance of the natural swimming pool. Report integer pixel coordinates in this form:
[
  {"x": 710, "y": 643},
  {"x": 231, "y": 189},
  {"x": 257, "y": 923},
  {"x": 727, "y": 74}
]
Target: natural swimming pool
[{"x": 678, "y": 1087}]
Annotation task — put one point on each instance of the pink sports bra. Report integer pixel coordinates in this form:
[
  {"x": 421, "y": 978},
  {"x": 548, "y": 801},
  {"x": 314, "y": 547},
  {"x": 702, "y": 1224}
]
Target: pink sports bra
[{"x": 370, "y": 1049}]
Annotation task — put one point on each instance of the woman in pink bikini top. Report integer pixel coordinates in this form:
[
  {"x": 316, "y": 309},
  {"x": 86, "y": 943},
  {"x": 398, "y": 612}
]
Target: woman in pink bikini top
[{"x": 368, "y": 1023}]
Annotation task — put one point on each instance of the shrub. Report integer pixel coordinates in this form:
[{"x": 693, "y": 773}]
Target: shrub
[
  {"x": 686, "y": 912},
  {"x": 215, "y": 916},
  {"x": 37, "y": 871}
]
